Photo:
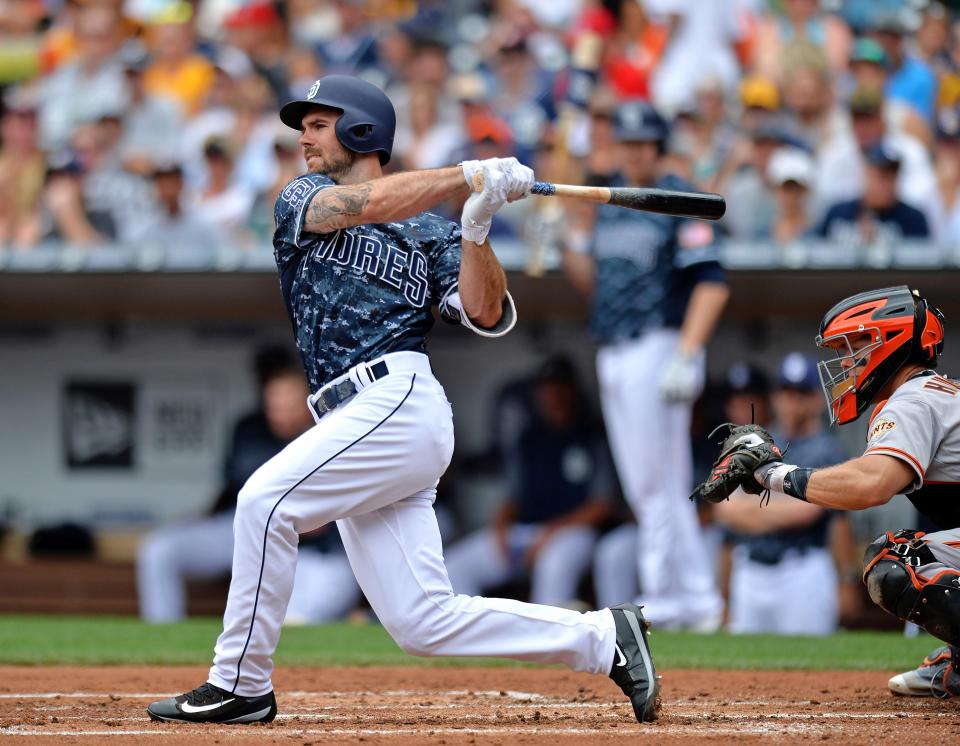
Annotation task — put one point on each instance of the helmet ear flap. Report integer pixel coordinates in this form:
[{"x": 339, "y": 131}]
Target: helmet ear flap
[{"x": 931, "y": 336}]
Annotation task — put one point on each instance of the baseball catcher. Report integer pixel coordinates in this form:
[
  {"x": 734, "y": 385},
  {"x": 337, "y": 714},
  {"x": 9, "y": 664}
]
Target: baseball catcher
[{"x": 886, "y": 345}]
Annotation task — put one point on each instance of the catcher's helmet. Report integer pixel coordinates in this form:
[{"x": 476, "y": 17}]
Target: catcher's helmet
[
  {"x": 874, "y": 334},
  {"x": 638, "y": 121},
  {"x": 368, "y": 120}
]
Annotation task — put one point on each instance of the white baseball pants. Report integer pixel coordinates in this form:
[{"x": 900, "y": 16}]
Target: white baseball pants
[
  {"x": 796, "y": 596},
  {"x": 202, "y": 549},
  {"x": 372, "y": 465},
  {"x": 650, "y": 441}
]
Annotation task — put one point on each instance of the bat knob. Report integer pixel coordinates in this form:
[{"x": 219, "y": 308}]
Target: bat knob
[{"x": 478, "y": 181}]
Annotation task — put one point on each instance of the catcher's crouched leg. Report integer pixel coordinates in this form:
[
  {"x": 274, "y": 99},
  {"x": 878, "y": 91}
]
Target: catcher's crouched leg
[{"x": 905, "y": 579}]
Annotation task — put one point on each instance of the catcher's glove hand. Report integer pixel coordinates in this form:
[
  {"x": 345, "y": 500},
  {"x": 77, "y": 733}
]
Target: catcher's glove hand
[{"x": 745, "y": 449}]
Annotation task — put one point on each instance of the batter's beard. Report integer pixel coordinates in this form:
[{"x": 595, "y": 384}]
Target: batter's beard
[{"x": 336, "y": 167}]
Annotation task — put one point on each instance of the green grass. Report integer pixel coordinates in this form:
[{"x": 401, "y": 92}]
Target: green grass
[{"x": 39, "y": 640}]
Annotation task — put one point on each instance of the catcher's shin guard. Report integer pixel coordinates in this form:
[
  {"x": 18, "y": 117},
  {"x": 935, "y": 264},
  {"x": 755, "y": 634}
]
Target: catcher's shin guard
[{"x": 892, "y": 574}]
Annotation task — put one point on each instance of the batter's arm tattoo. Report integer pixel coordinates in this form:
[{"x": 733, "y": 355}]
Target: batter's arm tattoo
[{"x": 337, "y": 207}]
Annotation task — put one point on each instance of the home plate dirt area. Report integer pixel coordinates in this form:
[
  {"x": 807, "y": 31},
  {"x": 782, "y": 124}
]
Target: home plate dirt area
[{"x": 75, "y": 705}]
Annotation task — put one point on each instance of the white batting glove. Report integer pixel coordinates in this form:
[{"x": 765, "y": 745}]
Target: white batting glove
[
  {"x": 480, "y": 207},
  {"x": 680, "y": 381},
  {"x": 519, "y": 178}
]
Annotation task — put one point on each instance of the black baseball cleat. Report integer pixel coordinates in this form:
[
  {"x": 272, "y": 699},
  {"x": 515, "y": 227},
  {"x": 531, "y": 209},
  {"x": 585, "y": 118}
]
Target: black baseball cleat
[
  {"x": 632, "y": 668},
  {"x": 211, "y": 704}
]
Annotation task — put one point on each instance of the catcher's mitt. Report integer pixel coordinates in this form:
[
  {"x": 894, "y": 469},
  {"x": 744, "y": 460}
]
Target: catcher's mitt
[{"x": 745, "y": 449}]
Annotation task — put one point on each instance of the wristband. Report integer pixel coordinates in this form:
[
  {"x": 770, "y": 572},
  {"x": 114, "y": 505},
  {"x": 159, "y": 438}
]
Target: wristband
[{"x": 786, "y": 478}]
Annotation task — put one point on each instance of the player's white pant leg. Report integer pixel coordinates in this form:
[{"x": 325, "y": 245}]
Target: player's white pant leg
[
  {"x": 691, "y": 570},
  {"x": 393, "y": 439},
  {"x": 650, "y": 441},
  {"x": 797, "y": 596},
  {"x": 615, "y": 566},
  {"x": 560, "y": 564},
  {"x": 476, "y": 562},
  {"x": 324, "y": 588},
  {"x": 812, "y": 606},
  {"x": 169, "y": 556},
  {"x": 396, "y": 555}
]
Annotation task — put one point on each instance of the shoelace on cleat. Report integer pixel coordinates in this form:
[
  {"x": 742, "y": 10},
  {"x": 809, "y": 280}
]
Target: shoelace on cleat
[{"x": 204, "y": 695}]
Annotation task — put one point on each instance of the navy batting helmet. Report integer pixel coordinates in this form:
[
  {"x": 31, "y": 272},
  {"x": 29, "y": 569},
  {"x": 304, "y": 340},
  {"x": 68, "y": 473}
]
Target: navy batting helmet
[
  {"x": 368, "y": 120},
  {"x": 638, "y": 121}
]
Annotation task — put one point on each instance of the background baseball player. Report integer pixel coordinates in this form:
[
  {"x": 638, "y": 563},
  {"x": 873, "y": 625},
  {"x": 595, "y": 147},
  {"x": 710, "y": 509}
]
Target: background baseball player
[
  {"x": 887, "y": 343},
  {"x": 786, "y": 546},
  {"x": 360, "y": 266},
  {"x": 657, "y": 292}
]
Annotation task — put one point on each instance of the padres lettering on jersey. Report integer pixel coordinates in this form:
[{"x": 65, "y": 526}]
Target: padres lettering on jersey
[
  {"x": 920, "y": 425},
  {"x": 358, "y": 293},
  {"x": 643, "y": 263}
]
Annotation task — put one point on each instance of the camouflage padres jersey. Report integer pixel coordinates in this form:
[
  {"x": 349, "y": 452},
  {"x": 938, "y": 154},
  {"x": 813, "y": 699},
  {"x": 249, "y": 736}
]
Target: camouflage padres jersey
[
  {"x": 358, "y": 293},
  {"x": 646, "y": 268},
  {"x": 920, "y": 425}
]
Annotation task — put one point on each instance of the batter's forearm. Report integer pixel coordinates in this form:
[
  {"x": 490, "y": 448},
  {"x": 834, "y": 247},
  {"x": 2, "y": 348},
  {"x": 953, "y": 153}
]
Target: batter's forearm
[
  {"x": 395, "y": 197},
  {"x": 482, "y": 284},
  {"x": 703, "y": 312}
]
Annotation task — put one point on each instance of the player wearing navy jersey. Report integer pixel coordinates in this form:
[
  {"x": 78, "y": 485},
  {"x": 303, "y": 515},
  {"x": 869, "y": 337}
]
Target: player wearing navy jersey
[
  {"x": 657, "y": 292},
  {"x": 361, "y": 264}
]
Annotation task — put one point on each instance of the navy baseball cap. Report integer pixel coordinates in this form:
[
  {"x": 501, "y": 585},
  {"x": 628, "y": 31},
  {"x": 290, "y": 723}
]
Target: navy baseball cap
[
  {"x": 745, "y": 378},
  {"x": 882, "y": 156},
  {"x": 638, "y": 121},
  {"x": 798, "y": 372}
]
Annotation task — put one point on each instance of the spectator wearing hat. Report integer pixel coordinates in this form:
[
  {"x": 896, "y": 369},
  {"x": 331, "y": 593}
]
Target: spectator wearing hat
[
  {"x": 180, "y": 232},
  {"x": 222, "y": 200},
  {"x": 809, "y": 97},
  {"x": 878, "y": 216},
  {"x": 871, "y": 68},
  {"x": 151, "y": 124},
  {"x": 841, "y": 166},
  {"x": 22, "y": 169},
  {"x": 559, "y": 485},
  {"x": 65, "y": 214},
  {"x": 783, "y": 579},
  {"x": 177, "y": 70},
  {"x": 911, "y": 80},
  {"x": 255, "y": 30},
  {"x": 791, "y": 172},
  {"x": 751, "y": 201}
]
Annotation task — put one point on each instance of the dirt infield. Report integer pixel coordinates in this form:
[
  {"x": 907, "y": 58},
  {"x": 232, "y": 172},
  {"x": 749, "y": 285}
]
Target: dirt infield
[{"x": 54, "y": 705}]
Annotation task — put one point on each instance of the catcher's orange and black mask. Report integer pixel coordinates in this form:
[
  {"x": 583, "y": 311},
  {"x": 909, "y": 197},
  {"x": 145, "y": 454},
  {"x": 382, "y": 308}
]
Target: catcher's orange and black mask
[{"x": 873, "y": 335}]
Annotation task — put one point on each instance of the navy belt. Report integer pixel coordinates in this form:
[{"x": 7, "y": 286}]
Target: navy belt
[{"x": 333, "y": 395}]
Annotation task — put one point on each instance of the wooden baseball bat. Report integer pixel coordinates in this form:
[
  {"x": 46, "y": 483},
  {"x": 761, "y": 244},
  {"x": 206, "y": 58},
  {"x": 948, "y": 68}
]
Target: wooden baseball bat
[{"x": 664, "y": 201}]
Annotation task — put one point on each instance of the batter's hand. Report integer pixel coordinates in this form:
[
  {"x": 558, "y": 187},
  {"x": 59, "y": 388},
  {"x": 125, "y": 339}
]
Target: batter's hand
[
  {"x": 480, "y": 207},
  {"x": 519, "y": 178}
]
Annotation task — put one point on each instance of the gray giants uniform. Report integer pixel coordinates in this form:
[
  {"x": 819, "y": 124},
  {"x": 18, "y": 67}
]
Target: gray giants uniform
[
  {"x": 360, "y": 300},
  {"x": 647, "y": 267},
  {"x": 920, "y": 425}
]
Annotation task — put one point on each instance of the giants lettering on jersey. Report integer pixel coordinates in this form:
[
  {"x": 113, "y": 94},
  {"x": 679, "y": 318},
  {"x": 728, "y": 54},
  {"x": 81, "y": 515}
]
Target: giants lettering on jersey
[{"x": 401, "y": 269}]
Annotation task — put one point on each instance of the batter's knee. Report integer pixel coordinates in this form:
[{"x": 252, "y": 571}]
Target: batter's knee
[{"x": 418, "y": 631}]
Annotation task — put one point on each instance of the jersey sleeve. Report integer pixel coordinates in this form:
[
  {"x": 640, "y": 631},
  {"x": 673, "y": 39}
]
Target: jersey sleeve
[
  {"x": 289, "y": 212},
  {"x": 446, "y": 292},
  {"x": 906, "y": 428}
]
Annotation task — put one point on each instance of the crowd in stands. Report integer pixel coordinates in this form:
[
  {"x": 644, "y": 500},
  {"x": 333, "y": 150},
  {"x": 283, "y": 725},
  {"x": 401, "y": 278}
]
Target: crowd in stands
[{"x": 132, "y": 121}]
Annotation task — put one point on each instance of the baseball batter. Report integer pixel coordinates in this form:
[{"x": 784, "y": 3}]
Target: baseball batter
[
  {"x": 657, "y": 292},
  {"x": 361, "y": 264},
  {"x": 887, "y": 343}
]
